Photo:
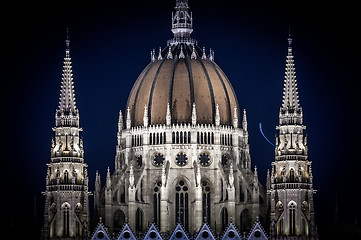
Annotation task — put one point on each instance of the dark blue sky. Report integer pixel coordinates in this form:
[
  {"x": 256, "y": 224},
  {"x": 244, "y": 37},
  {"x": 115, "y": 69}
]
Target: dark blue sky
[{"x": 110, "y": 46}]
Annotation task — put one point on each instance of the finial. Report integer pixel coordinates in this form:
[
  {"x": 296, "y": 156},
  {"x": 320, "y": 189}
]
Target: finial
[
  {"x": 204, "y": 56},
  {"x": 244, "y": 121},
  {"x": 193, "y": 55},
  {"x": 160, "y": 58},
  {"x": 128, "y": 119},
  {"x": 211, "y": 54},
  {"x": 181, "y": 54},
  {"x": 67, "y": 40},
  {"x": 152, "y": 55},
  {"x": 145, "y": 117},
  {"x": 169, "y": 55},
  {"x": 289, "y": 36},
  {"x": 235, "y": 117}
]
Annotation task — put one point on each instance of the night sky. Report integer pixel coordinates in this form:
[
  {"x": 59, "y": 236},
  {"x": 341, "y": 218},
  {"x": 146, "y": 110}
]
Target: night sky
[{"x": 110, "y": 46}]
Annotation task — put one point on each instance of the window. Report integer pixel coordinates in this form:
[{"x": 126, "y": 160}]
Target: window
[
  {"x": 139, "y": 220},
  {"x": 118, "y": 220},
  {"x": 292, "y": 218},
  {"x": 206, "y": 201},
  {"x": 181, "y": 159},
  {"x": 181, "y": 203},
  {"x": 224, "y": 218},
  {"x": 66, "y": 224},
  {"x": 156, "y": 203},
  {"x": 204, "y": 159},
  {"x": 158, "y": 159}
]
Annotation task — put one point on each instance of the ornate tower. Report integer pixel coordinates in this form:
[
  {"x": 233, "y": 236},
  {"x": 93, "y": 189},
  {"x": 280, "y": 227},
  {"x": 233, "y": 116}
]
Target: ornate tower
[
  {"x": 66, "y": 212},
  {"x": 290, "y": 186}
]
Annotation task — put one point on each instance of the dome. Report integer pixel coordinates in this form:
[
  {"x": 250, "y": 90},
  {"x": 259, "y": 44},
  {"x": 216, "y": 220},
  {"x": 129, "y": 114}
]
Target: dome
[{"x": 181, "y": 75}]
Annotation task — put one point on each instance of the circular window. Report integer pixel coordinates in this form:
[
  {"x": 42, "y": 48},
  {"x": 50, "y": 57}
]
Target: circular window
[
  {"x": 152, "y": 234},
  {"x": 231, "y": 234},
  {"x": 100, "y": 235},
  {"x": 205, "y": 234},
  {"x": 204, "y": 159},
  {"x": 181, "y": 159},
  {"x": 158, "y": 159},
  {"x": 257, "y": 233},
  {"x": 139, "y": 161},
  {"x": 126, "y": 234},
  {"x": 178, "y": 234}
]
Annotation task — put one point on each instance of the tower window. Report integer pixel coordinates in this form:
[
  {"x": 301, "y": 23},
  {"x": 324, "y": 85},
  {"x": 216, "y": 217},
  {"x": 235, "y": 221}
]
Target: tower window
[
  {"x": 204, "y": 159},
  {"x": 158, "y": 159},
  {"x": 224, "y": 218},
  {"x": 156, "y": 203},
  {"x": 139, "y": 220}
]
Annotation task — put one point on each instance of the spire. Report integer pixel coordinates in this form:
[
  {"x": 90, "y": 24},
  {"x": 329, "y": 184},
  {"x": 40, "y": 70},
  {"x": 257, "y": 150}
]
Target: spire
[
  {"x": 182, "y": 21},
  {"x": 244, "y": 121},
  {"x": 235, "y": 117},
  {"x": 168, "y": 116},
  {"x": 194, "y": 114},
  {"x": 67, "y": 112},
  {"x": 145, "y": 117},
  {"x": 129, "y": 122},
  {"x": 218, "y": 118},
  {"x": 291, "y": 111},
  {"x": 290, "y": 91}
]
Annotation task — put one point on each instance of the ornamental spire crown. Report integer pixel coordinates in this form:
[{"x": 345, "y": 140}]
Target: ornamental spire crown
[
  {"x": 67, "y": 113},
  {"x": 182, "y": 21}
]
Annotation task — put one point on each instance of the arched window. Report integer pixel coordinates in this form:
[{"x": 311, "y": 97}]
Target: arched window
[
  {"x": 173, "y": 137},
  {"x": 156, "y": 203},
  {"x": 292, "y": 175},
  {"x": 66, "y": 212},
  {"x": 181, "y": 203},
  {"x": 52, "y": 213},
  {"x": 118, "y": 220},
  {"x": 139, "y": 220},
  {"x": 206, "y": 201},
  {"x": 245, "y": 220},
  {"x": 292, "y": 218},
  {"x": 189, "y": 137},
  {"x": 177, "y": 137},
  {"x": 78, "y": 224},
  {"x": 224, "y": 218},
  {"x": 66, "y": 176}
]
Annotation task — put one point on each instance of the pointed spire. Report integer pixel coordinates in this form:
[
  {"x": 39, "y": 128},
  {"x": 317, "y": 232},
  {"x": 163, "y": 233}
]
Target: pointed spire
[
  {"x": 67, "y": 112},
  {"x": 290, "y": 90},
  {"x": 120, "y": 121},
  {"x": 128, "y": 119},
  {"x": 198, "y": 176},
  {"x": 235, "y": 117},
  {"x": 268, "y": 180},
  {"x": 168, "y": 116},
  {"x": 217, "y": 118},
  {"x": 211, "y": 54},
  {"x": 244, "y": 121},
  {"x": 108, "y": 180},
  {"x": 145, "y": 117},
  {"x": 194, "y": 114}
]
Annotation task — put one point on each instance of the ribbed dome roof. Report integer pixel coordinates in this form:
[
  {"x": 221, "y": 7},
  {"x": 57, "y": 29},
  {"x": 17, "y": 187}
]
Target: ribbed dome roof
[{"x": 182, "y": 75}]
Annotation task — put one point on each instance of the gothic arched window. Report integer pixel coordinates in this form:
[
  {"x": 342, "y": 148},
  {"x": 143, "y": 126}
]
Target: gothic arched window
[
  {"x": 181, "y": 203},
  {"x": 66, "y": 223},
  {"x": 224, "y": 218},
  {"x": 292, "y": 217},
  {"x": 139, "y": 220},
  {"x": 206, "y": 201},
  {"x": 66, "y": 176},
  {"x": 118, "y": 220},
  {"x": 156, "y": 203}
]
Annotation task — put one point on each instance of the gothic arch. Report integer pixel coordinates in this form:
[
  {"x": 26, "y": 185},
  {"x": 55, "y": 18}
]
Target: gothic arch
[
  {"x": 245, "y": 220},
  {"x": 224, "y": 218},
  {"x": 118, "y": 220},
  {"x": 65, "y": 211},
  {"x": 139, "y": 218}
]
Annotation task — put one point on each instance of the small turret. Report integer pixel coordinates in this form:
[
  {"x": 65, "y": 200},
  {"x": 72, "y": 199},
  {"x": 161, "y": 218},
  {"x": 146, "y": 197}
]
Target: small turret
[
  {"x": 145, "y": 117},
  {"x": 168, "y": 116},
  {"x": 235, "y": 117},
  {"x": 218, "y": 119},
  {"x": 129, "y": 122}
]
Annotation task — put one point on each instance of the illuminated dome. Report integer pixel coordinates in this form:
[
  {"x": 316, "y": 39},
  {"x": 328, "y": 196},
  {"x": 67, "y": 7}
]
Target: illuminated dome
[{"x": 181, "y": 74}]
